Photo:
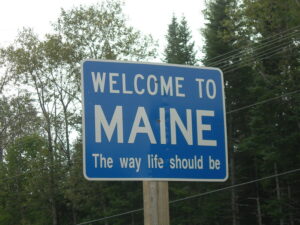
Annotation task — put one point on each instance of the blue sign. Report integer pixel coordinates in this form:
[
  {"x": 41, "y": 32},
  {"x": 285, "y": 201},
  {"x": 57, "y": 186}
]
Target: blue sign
[{"x": 153, "y": 122}]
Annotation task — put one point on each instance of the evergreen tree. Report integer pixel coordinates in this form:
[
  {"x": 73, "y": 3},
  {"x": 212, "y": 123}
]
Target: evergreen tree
[
  {"x": 180, "y": 50},
  {"x": 257, "y": 67},
  {"x": 222, "y": 43},
  {"x": 275, "y": 126},
  {"x": 180, "y": 47}
]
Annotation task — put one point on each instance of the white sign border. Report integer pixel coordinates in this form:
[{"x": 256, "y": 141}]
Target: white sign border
[{"x": 151, "y": 179}]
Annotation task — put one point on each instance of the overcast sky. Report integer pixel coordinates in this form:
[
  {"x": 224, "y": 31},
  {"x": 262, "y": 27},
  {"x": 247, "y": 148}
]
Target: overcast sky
[{"x": 149, "y": 16}]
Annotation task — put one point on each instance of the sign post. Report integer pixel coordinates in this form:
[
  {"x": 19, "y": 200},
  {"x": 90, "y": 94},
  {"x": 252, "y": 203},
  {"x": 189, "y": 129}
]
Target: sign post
[
  {"x": 156, "y": 203},
  {"x": 153, "y": 122}
]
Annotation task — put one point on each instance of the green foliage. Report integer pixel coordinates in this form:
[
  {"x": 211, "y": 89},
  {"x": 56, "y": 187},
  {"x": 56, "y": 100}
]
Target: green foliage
[
  {"x": 100, "y": 32},
  {"x": 274, "y": 126},
  {"x": 24, "y": 197},
  {"x": 54, "y": 191},
  {"x": 180, "y": 48},
  {"x": 41, "y": 179},
  {"x": 264, "y": 135},
  {"x": 18, "y": 118}
]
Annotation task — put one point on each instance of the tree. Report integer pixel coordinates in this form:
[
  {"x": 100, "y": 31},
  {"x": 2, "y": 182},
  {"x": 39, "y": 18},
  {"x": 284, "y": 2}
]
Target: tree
[
  {"x": 101, "y": 32},
  {"x": 216, "y": 45},
  {"x": 50, "y": 69},
  {"x": 274, "y": 126},
  {"x": 94, "y": 200},
  {"x": 180, "y": 48},
  {"x": 18, "y": 118},
  {"x": 225, "y": 41},
  {"x": 24, "y": 173},
  {"x": 3, "y": 77},
  {"x": 255, "y": 43}
]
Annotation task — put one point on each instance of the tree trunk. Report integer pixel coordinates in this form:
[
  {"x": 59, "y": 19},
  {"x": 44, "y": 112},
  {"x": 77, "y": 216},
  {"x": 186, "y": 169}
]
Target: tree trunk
[
  {"x": 1, "y": 155},
  {"x": 278, "y": 194},
  {"x": 258, "y": 206},
  {"x": 291, "y": 215},
  {"x": 52, "y": 184},
  {"x": 234, "y": 207},
  {"x": 53, "y": 211},
  {"x": 259, "y": 215},
  {"x": 132, "y": 219},
  {"x": 103, "y": 203},
  {"x": 40, "y": 91},
  {"x": 68, "y": 153},
  {"x": 74, "y": 215}
]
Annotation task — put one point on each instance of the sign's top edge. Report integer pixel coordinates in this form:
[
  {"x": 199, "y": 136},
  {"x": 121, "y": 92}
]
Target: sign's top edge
[{"x": 151, "y": 63}]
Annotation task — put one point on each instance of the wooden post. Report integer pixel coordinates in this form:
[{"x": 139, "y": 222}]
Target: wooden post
[{"x": 156, "y": 203}]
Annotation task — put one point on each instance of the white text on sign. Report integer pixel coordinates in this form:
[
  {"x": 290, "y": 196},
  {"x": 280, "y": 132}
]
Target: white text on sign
[
  {"x": 151, "y": 84},
  {"x": 141, "y": 117}
]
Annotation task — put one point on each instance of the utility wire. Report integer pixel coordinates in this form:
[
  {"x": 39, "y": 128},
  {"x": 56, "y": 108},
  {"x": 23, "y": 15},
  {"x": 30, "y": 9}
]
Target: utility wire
[
  {"x": 256, "y": 57},
  {"x": 249, "y": 62},
  {"x": 196, "y": 195},
  {"x": 246, "y": 63},
  {"x": 229, "y": 112},
  {"x": 264, "y": 101},
  {"x": 232, "y": 52},
  {"x": 236, "y": 185},
  {"x": 253, "y": 49},
  {"x": 227, "y": 69},
  {"x": 263, "y": 55},
  {"x": 113, "y": 216}
]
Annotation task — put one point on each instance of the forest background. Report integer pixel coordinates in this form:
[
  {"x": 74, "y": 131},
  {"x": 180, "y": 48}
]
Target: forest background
[{"x": 256, "y": 43}]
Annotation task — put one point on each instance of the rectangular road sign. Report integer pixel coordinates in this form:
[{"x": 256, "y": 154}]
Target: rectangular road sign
[{"x": 153, "y": 122}]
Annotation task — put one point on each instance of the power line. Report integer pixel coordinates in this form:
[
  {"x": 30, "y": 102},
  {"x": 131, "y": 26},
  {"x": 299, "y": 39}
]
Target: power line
[
  {"x": 196, "y": 195},
  {"x": 113, "y": 216},
  {"x": 236, "y": 185},
  {"x": 266, "y": 54},
  {"x": 248, "y": 59},
  {"x": 229, "y": 112},
  {"x": 264, "y": 101},
  {"x": 248, "y": 63},
  {"x": 264, "y": 39},
  {"x": 253, "y": 49}
]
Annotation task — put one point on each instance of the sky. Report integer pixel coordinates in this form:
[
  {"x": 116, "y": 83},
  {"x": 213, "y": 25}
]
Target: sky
[{"x": 148, "y": 16}]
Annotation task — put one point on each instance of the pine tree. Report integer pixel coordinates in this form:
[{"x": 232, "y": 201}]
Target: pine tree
[
  {"x": 275, "y": 126},
  {"x": 180, "y": 50},
  {"x": 222, "y": 44},
  {"x": 180, "y": 47}
]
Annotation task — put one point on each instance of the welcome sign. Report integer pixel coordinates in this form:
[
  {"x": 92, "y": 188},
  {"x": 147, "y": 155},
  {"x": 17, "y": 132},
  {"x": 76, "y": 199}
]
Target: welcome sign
[{"x": 153, "y": 122}]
